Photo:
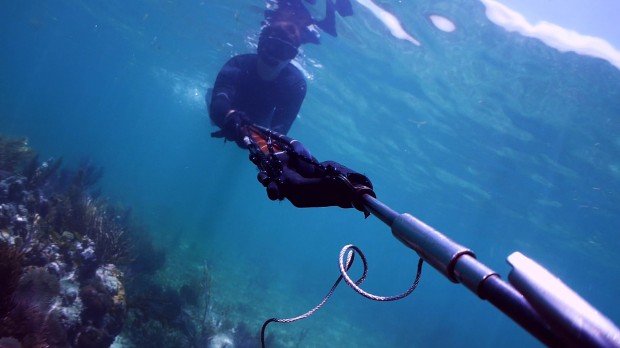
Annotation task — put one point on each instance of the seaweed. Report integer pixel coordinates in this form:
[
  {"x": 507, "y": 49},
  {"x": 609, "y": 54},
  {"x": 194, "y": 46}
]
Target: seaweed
[
  {"x": 76, "y": 210},
  {"x": 111, "y": 239},
  {"x": 10, "y": 272},
  {"x": 36, "y": 288},
  {"x": 15, "y": 154},
  {"x": 38, "y": 174},
  {"x": 27, "y": 316}
]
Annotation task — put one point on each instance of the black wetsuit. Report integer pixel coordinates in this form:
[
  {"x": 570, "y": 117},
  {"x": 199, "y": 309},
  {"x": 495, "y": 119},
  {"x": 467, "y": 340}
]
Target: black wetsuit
[{"x": 273, "y": 104}]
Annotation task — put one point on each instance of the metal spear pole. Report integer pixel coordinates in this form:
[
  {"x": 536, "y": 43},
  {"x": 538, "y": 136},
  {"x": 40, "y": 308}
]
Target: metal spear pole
[{"x": 460, "y": 265}]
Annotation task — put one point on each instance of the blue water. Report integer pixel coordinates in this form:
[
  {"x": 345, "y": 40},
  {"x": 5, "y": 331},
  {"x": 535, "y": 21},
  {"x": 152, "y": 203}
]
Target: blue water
[{"x": 497, "y": 140}]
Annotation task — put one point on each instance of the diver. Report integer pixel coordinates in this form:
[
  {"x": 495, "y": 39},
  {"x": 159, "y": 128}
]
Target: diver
[
  {"x": 294, "y": 11},
  {"x": 263, "y": 92},
  {"x": 263, "y": 88}
]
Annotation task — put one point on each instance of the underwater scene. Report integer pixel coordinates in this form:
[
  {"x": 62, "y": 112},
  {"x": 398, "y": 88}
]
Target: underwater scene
[{"x": 125, "y": 223}]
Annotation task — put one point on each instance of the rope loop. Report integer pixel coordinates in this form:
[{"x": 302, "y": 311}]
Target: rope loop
[{"x": 350, "y": 250}]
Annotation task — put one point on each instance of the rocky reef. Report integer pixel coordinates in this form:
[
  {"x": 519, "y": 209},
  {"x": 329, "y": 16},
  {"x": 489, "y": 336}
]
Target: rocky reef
[{"x": 60, "y": 248}]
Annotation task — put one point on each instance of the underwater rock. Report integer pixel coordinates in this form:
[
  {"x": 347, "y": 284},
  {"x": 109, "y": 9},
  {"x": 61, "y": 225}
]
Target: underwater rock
[
  {"x": 103, "y": 300},
  {"x": 88, "y": 255},
  {"x": 92, "y": 337},
  {"x": 70, "y": 315},
  {"x": 110, "y": 277},
  {"x": 67, "y": 237},
  {"x": 120, "y": 342},
  {"x": 54, "y": 268},
  {"x": 69, "y": 289}
]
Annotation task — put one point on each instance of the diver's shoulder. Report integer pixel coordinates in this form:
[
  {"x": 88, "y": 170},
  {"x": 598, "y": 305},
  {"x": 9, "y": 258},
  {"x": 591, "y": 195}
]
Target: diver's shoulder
[{"x": 295, "y": 74}]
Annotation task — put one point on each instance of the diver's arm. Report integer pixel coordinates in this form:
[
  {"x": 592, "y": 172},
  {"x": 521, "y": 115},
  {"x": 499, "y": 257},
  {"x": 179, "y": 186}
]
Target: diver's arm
[{"x": 224, "y": 91}]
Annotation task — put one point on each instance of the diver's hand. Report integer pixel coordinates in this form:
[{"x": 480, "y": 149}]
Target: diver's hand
[
  {"x": 233, "y": 128},
  {"x": 337, "y": 186},
  {"x": 233, "y": 124}
]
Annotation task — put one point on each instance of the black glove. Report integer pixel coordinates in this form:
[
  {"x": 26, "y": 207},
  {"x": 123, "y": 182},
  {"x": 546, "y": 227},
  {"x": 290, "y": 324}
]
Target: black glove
[
  {"x": 353, "y": 185},
  {"x": 233, "y": 128},
  {"x": 300, "y": 150},
  {"x": 332, "y": 185}
]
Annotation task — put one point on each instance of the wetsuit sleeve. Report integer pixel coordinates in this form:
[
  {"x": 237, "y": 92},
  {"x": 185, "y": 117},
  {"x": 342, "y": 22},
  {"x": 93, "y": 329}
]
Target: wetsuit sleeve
[
  {"x": 224, "y": 91},
  {"x": 286, "y": 113}
]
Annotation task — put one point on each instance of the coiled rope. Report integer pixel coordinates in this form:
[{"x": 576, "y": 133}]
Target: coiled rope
[{"x": 350, "y": 251}]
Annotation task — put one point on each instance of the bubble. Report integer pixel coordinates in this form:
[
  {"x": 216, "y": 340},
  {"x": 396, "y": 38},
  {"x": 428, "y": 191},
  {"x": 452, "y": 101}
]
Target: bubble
[{"x": 442, "y": 23}]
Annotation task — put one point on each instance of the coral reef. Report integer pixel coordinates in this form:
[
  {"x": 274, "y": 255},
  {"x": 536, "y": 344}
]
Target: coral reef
[
  {"x": 58, "y": 247},
  {"x": 76, "y": 271}
]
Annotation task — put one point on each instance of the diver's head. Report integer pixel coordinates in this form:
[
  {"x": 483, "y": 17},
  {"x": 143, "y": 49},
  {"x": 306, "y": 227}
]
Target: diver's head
[{"x": 278, "y": 44}]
